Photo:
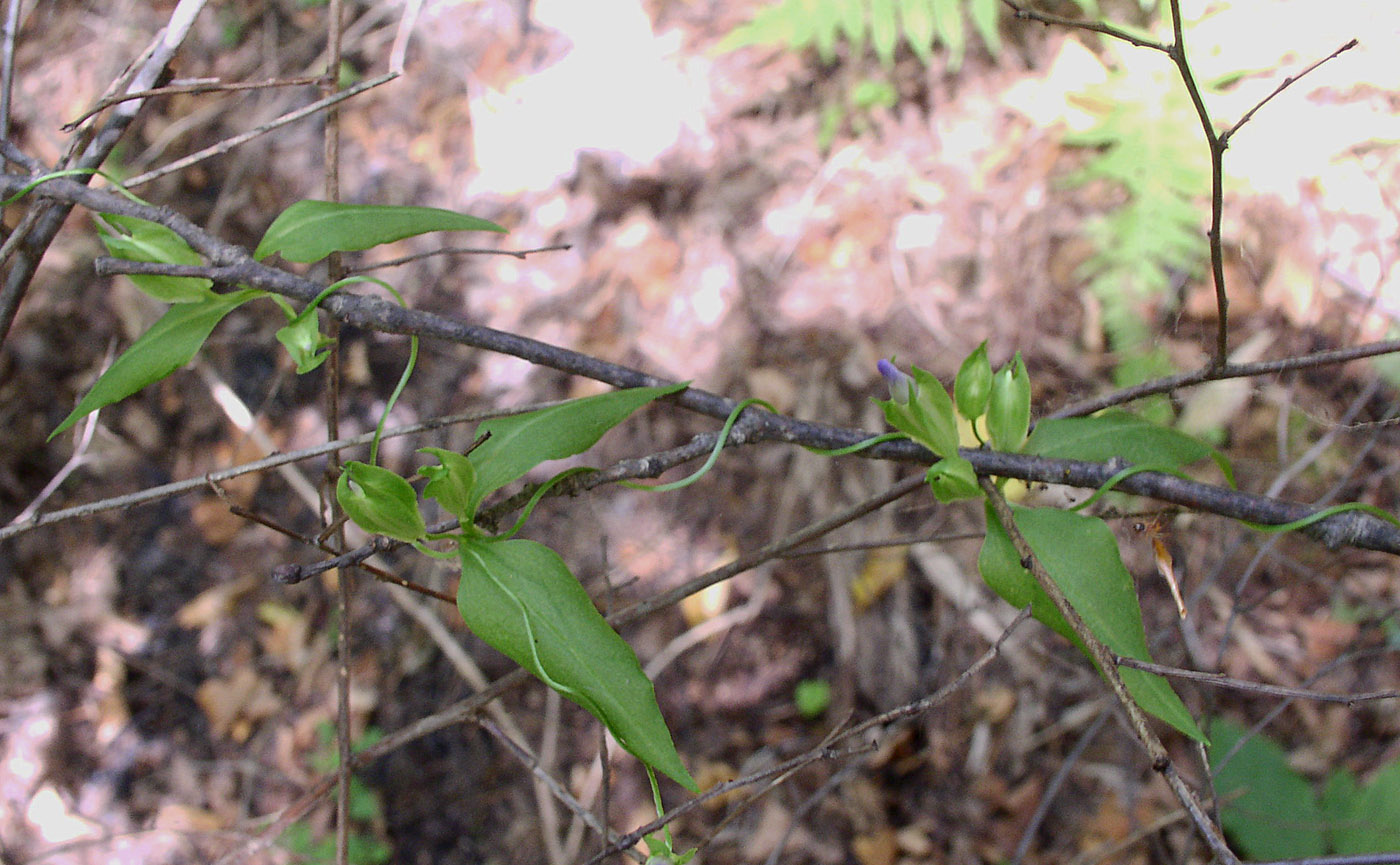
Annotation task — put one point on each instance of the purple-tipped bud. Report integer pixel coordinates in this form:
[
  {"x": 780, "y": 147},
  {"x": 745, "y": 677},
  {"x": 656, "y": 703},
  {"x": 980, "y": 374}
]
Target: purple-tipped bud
[{"x": 902, "y": 387}]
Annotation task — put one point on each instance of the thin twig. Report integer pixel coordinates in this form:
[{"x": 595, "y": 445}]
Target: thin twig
[
  {"x": 1351, "y": 528},
  {"x": 1023, "y": 13},
  {"x": 1220, "y": 680},
  {"x": 1042, "y": 809},
  {"x": 1221, "y": 356},
  {"x": 377, "y": 572},
  {"x": 1286, "y": 83},
  {"x": 199, "y": 85},
  {"x": 1208, "y": 373},
  {"x": 461, "y": 250}
]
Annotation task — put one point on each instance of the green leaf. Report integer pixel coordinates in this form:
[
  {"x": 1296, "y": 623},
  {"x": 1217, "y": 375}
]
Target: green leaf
[
  {"x": 451, "y": 483},
  {"x": 151, "y": 241},
  {"x": 380, "y": 502},
  {"x": 1116, "y": 433},
  {"x": 520, "y": 442},
  {"x": 311, "y": 230},
  {"x": 1081, "y": 556},
  {"x": 168, "y": 345},
  {"x": 302, "y": 336},
  {"x": 953, "y": 479},
  {"x": 304, "y": 341},
  {"x": 972, "y": 389},
  {"x": 519, "y": 597},
  {"x": 1363, "y": 820},
  {"x": 1009, "y": 407},
  {"x": 1268, "y": 809}
]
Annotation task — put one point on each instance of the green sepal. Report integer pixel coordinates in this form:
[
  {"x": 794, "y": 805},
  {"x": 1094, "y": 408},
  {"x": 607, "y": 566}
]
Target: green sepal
[
  {"x": 451, "y": 482},
  {"x": 1009, "y": 409},
  {"x": 928, "y": 416},
  {"x": 972, "y": 389},
  {"x": 953, "y": 479},
  {"x": 380, "y": 502}
]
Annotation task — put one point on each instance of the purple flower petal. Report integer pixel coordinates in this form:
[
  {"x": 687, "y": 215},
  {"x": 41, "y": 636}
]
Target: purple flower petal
[{"x": 902, "y": 387}]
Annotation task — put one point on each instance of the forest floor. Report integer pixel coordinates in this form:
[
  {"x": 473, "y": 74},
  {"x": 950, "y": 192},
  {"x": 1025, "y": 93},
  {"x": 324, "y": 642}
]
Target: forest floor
[{"x": 160, "y": 696}]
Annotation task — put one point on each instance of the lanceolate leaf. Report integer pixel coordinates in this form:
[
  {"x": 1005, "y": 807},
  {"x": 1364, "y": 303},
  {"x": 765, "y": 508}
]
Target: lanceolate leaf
[
  {"x": 1119, "y": 434},
  {"x": 151, "y": 241},
  {"x": 1081, "y": 556},
  {"x": 168, "y": 345},
  {"x": 519, "y": 597},
  {"x": 520, "y": 442},
  {"x": 311, "y": 230}
]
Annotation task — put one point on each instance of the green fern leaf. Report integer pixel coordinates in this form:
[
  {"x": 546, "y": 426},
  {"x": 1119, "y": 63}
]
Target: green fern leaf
[
  {"x": 826, "y": 26},
  {"x": 852, "y": 25},
  {"x": 916, "y": 18},
  {"x": 884, "y": 30},
  {"x": 1148, "y": 148},
  {"x": 986, "y": 20},
  {"x": 948, "y": 25}
]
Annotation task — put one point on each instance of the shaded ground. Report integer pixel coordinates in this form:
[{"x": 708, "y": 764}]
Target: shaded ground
[{"x": 161, "y": 694}]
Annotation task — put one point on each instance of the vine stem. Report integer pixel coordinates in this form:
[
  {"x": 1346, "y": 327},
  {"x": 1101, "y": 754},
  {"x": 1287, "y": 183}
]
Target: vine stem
[{"x": 1107, "y": 662}]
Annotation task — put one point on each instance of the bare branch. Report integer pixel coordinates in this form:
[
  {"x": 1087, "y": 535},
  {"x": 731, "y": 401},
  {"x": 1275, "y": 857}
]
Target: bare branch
[{"x": 232, "y": 265}]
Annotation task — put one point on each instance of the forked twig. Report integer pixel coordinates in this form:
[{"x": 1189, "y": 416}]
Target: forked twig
[
  {"x": 244, "y": 137},
  {"x": 1216, "y": 142},
  {"x": 198, "y": 85}
]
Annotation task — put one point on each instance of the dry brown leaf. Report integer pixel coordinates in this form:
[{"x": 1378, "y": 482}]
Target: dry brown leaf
[
  {"x": 284, "y": 637},
  {"x": 176, "y": 817},
  {"x": 215, "y": 603},
  {"x": 234, "y": 705},
  {"x": 880, "y": 847},
  {"x": 883, "y": 568}
]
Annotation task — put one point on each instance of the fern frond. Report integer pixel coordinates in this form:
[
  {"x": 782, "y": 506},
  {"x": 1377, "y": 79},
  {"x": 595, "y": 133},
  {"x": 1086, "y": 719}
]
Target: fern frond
[
  {"x": 823, "y": 24},
  {"x": 1149, "y": 148},
  {"x": 948, "y": 23}
]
